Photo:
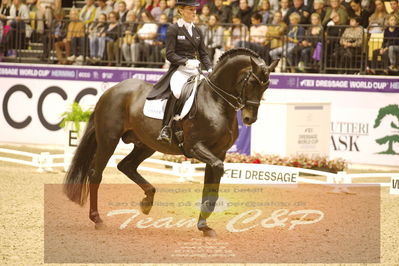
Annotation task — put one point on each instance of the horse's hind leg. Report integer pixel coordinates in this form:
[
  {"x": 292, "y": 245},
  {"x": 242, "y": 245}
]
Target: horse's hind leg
[
  {"x": 104, "y": 151},
  {"x": 129, "y": 165}
]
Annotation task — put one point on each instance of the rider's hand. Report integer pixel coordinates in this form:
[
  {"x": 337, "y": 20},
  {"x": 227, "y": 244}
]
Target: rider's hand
[
  {"x": 210, "y": 70},
  {"x": 192, "y": 63}
]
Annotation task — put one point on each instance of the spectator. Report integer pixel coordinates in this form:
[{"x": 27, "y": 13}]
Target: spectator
[
  {"x": 160, "y": 41},
  {"x": 335, "y": 8},
  {"x": 391, "y": 38},
  {"x": 102, "y": 8},
  {"x": 275, "y": 32},
  {"x": 88, "y": 12},
  {"x": 395, "y": 7},
  {"x": 377, "y": 19},
  {"x": 171, "y": 11},
  {"x": 274, "y": 5},
  {"x": 146, "y": 36},
  {"x": 5, "y": 10},
  {"x": 245, "y": 12},
  {"x": 129, "y": 4},
  {"x": 4, "y": 13},
  {"x": 97, "y": 38},
  {"x": 150, "y": 4},
  {"x": 237, "y": 33},
  {"x": 213, "y": 38},
  {"x": 205, "y": 13},
  {"x": 318, "y": 7},
  {"x": 257, "y": 37},
  {"x": 112, "y": 35},
  {"x": 264, "y": 10},
  {"x": 156, "y": 12},
  {"x": 44, "y": 14},
  {"x": 284, "y": 8},
  {"x": 313, "y": 37},
  {"x": 301, "y": 9},
  {"x": 294, "y": 38},
  {"x": 122, "y": 12},
  {"x": 59, "y": 34},
  {"x": 358, "y": 11},
  {"x": 19, "y": 29},
  {"x": 76, "y": 37},
  {"x": 129, "y": 32},
  {"x": 74, "y": 27},
  {"x": 223, "y": 12},
  {"x": 390, "y": 46},
  {"x": 350, "y": 44}
]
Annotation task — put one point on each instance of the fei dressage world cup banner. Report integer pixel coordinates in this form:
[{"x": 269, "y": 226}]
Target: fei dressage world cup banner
[{"x": 364, "y": 109}]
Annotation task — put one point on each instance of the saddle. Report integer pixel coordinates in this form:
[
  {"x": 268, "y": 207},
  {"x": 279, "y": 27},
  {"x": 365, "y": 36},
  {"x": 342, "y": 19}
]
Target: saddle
[{"x": 155, "y": 108}]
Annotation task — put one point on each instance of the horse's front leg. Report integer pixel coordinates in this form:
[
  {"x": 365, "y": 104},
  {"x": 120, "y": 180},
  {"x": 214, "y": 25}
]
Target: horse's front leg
[{"x": 210, "y": 194}]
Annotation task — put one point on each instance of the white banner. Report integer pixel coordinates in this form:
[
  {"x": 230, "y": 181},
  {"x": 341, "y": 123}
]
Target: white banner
[
  {"x": 242, "y": 173},
  {"x": 364, "y": 125},
  {"x": 32, "y": 108}
]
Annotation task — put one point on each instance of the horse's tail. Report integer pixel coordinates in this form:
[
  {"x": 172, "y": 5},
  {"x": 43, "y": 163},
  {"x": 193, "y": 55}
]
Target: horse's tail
[{"x": 76, "y": 184}]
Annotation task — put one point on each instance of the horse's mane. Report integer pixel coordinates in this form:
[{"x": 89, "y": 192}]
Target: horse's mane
[{"x": 235, "y": 52}]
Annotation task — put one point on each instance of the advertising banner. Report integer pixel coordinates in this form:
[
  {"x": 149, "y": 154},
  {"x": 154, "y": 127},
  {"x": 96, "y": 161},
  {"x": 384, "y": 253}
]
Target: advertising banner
[
  {"x": 364, "y": 110},
  {"x": 241, "y": 173}
]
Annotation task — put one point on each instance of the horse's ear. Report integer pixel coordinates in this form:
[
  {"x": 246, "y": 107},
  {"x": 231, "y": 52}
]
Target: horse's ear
[
  {"x": 273, "y": 65},
  {"x": 254, "y": 65}
]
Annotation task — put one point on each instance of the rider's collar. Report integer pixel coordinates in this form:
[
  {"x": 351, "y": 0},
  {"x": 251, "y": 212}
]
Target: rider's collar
[{"x": 181, "y": 22}]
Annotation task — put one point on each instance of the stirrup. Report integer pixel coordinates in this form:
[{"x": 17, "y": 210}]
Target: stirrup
[{"x": 165, "y": 135}]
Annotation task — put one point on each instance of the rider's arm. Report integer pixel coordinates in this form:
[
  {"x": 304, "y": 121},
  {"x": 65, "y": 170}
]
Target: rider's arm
[{"x": 204, "y": 58}]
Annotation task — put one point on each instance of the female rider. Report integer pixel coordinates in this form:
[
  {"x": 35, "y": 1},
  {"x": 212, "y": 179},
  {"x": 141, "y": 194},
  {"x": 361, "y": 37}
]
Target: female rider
[{"x": 185, "y": 50}]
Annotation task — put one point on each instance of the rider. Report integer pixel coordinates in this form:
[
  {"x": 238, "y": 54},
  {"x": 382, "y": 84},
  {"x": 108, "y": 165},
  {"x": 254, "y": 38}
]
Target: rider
[{"x": 185, "y": 50}]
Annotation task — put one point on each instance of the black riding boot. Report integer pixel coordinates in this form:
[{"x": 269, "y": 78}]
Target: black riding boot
[{"x": 166, "y": 131}]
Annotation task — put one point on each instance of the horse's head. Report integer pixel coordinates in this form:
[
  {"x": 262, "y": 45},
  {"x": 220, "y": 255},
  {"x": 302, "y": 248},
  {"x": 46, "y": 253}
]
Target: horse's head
[{"x": 255, "y": 83}]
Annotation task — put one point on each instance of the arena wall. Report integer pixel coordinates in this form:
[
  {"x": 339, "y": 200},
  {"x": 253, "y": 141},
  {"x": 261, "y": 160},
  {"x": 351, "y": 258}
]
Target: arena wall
[{"x": 363, "y": 108}]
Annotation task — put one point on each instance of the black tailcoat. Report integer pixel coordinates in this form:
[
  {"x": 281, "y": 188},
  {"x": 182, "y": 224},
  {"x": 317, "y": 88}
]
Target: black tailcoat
[{"x": 180, "y": 47}]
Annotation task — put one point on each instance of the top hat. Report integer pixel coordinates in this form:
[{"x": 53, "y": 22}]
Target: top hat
[{"x": 187, "y": 3}]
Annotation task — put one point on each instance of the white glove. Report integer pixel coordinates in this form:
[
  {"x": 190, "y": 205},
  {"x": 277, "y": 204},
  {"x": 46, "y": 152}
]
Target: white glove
[
  {"x": 210, "y": 70},
  {"x": 192, "y": 63}
]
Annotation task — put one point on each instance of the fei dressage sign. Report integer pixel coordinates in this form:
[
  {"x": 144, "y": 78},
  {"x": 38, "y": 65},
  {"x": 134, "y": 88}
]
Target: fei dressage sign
[{"x": 241, "y": 173}]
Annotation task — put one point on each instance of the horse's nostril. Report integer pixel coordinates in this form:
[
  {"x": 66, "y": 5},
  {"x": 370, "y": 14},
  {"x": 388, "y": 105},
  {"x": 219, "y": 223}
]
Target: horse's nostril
[{"x": 246, "y": 120}]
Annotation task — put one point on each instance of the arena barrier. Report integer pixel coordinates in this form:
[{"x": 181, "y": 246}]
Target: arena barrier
[{"x": 186, "y": 171}]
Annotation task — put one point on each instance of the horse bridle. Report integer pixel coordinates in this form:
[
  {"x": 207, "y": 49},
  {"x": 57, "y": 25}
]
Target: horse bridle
[{"x": 240, "y": 100}]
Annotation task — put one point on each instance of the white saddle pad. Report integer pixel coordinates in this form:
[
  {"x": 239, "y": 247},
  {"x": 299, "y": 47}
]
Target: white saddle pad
[{"x": 155, "y": 108}]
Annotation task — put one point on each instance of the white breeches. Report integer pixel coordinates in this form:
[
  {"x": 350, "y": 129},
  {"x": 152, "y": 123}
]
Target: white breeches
[{"x": 179, "y": 78}]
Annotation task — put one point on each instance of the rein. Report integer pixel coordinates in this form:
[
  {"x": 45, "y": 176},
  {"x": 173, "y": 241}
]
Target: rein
[{"x": 239, "y": 102}]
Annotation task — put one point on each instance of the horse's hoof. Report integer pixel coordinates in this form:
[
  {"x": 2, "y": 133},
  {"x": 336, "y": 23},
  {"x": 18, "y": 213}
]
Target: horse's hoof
[
  {"x": 209, "y": 233},
  {"x": 145, "y": 206},
  {"x": 100, "y": 226}
]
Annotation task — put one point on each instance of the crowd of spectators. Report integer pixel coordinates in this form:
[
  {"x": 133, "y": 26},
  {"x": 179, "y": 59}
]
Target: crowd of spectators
[{"x": 133, "y": 32}]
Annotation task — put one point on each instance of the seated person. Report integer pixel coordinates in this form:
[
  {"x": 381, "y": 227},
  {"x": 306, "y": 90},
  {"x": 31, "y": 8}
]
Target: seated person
[
  {"x": 257, "y": 37},
  {"x": 213, "y": 36},
  {"x": 350, "y": 44},
  {"x": 97, "y": 38},
  {"x": 294, "y": 38},
  {"x": 112, "y": 38},
  {"x": 129, "y": 36},
  {"x": 76, "y": 36},
  {"x": 146, "y": 36}
]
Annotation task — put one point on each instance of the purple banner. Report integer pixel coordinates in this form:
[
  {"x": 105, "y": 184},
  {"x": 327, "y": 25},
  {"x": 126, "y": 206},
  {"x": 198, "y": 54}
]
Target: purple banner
[{"x": 277, "y": 81}]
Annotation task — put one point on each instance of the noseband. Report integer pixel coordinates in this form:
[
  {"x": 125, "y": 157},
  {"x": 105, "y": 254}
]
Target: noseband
[{"x": 239, "y": 102}]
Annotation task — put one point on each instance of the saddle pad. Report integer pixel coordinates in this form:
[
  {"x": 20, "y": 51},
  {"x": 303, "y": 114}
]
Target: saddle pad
[{"x": 155, "y": 108}]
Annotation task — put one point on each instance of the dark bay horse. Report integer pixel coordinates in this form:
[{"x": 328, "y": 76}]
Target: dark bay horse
[{"x": 238, "y": 82}]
